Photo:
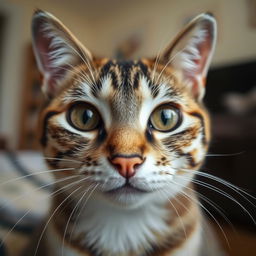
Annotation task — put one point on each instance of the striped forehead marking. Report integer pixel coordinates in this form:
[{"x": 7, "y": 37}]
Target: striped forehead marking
[
  {"x": 124, "y": 74},
  {"x": 125, "y": 79}
]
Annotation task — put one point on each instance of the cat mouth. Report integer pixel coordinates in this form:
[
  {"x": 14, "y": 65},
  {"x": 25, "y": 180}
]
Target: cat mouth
[{"x": 126, "y": 189}]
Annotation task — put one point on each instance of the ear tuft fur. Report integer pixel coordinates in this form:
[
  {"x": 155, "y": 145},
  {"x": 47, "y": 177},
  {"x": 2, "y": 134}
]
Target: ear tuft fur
[
  {"x": 192, "y": 50},
  {"x": 56, "y": 50}
]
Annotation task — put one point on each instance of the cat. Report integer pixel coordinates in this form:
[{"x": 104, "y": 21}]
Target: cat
[{"x": 124, "y": 139}]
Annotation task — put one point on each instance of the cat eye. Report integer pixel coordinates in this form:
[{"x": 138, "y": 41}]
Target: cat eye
[
  {"x": 165, "y": 118},
  {"x": 83, "y": 116}
]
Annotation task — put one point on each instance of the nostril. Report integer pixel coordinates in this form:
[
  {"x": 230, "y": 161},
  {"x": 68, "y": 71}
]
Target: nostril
[{"x": 118, "y": 166}]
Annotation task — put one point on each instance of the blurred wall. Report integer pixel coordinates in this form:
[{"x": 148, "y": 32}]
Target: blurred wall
[{"x": 103, "y": 24}]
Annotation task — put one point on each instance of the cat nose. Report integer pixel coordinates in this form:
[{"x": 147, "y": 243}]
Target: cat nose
[{"x": 126, "y": 165}]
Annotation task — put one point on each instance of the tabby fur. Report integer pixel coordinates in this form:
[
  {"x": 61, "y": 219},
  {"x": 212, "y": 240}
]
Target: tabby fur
[{"x": 159, "y": 214}]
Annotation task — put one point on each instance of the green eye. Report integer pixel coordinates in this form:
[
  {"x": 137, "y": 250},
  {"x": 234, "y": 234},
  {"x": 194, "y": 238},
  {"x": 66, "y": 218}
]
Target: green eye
[
  {"x": 165, "y": 118},
  {"x": 83, "y": 116}
]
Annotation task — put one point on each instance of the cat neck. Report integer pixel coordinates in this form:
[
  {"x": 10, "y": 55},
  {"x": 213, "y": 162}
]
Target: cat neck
[{"x": 99, "y": 227}]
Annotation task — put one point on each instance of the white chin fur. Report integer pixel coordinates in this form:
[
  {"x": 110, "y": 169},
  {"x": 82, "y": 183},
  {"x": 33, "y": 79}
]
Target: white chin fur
[
  {"x": 125, "y": 200},
  {"x": 102, "y": 222}
]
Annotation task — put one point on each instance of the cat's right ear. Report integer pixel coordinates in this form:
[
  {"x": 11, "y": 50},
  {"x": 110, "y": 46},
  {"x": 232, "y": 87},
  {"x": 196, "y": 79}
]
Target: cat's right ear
[
  {"x": 191, "y": 52},
  {"x": 56, "y": 50}
]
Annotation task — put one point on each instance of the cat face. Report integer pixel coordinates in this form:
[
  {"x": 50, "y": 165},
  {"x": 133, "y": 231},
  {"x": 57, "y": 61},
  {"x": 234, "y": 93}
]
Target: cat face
[{"x": 133, "y": 131}]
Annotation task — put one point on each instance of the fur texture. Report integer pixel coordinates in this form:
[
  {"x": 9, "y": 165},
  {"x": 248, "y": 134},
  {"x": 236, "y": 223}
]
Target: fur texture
[{"x": 100, "y": 211}]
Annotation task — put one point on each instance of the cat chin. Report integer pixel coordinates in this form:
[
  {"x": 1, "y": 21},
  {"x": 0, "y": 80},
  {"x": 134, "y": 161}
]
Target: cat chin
[
  {"x": 132, "y": 201},
  {"x": 125, "y": 200}
]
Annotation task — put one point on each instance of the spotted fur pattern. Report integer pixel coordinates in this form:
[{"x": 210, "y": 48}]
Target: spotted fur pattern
[{"x": 162, "y": 217}]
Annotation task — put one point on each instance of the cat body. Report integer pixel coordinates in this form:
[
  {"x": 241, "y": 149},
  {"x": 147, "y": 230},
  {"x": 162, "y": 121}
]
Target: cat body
[{"x": 123, "y": 139}]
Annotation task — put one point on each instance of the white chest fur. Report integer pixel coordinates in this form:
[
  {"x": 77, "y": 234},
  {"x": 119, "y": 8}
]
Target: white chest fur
[
  {"x": 114, "y": 230},
  {"x": 118, "y": 230}
]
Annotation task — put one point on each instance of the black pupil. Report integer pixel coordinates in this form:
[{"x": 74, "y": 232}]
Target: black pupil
[
  {"x": 87, "y": 115},
  {"x": 166, "y": 115}
]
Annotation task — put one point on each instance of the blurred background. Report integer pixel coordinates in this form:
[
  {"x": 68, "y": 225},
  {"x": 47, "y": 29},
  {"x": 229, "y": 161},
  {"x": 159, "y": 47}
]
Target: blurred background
[{"x": 137, "y": 28}]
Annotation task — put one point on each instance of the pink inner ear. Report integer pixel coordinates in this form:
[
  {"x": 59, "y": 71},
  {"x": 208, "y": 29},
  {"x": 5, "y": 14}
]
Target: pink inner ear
[
  {"x": 198, "y": 76},
  {"x": 56, "y": 50},
  {"x": 50, "y": 74},
  {"x": 191, "y": 52},
  {"x": 42, "y": 44},
  {"x": 204, "y": 49}
]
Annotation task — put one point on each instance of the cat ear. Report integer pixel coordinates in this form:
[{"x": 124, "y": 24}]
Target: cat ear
[
  {"x": 191, "y": 52},
  {"x": 56, "y": 50}
]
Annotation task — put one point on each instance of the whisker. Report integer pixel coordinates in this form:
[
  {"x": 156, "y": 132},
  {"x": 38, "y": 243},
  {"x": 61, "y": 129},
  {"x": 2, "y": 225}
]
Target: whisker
[
  {"x": 168, "y": 62},
  {"x": 84, "y": 59},
  {"x": 86, "y": 78},
  {"x": 198, "y": 194},
  {"x": 77, "y": 217},
  {"x": 38, "y": 188},
  {"x": 70, "y": 216},
  {"x": 47, "y": 223},
  {"x": 27, "y": 212},
  {"x": 220, "y": 191},
  {"x": 229, "y": 185},
  {"x": 35, "y": 173},
  {"x": 176, "y": 211},
  {"x": 230, "y": 154},
  {"x": 83, "y": 74},
  {"x": 224, "y": 182},
  {"x": 62, "y": 159},
  {"x": 161, "y": 50},
  {"x": 203, "y": 207},
  {"x": 213, "y": 204},
  {"x": 156, "y": 64},
  {"x": 216, "y": 207},
  {"x": 233, "y": 187}
]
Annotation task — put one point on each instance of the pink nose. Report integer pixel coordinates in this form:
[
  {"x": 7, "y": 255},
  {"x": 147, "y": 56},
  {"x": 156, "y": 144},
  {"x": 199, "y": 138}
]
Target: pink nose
[{"x": 126, "y": 165}]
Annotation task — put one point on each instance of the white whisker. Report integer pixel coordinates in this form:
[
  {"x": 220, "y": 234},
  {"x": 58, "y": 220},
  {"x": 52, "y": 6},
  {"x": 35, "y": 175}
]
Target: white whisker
[
  {"x": 85, "y": 60},
  {"x": 70, "y": 216},
  {"x": 230, "y": 154},
  {"x": 233, "y": 187},
  {"x": 211, "y": 187},
  {"x": 27, "y": 212},
  {"x": 63, "y": 159},
  {"x": 168, "y": 63},
  {"x": 213, "y": 204},
  {"x": 47, "y": 223},
  {"x": 77, "y": 217},
  {"x": 35, "y": 173},
  {"x": 37, "y": 189},
  {"x": 176, "y": 211},
  {"x": 203, "y": 207}
]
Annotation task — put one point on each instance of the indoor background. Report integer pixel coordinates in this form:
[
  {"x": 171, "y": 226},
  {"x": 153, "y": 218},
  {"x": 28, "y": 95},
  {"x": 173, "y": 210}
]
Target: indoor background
[{"x": 137, "y": 28}]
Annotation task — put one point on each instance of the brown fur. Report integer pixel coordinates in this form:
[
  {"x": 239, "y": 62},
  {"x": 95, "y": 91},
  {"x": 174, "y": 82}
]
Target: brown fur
[{"x": 122, "y": 87}]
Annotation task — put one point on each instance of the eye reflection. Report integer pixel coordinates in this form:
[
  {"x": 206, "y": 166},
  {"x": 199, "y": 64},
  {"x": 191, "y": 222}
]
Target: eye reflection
[
  {"x": 164, "y": 118},
  {"x": 83, "y": 116}
]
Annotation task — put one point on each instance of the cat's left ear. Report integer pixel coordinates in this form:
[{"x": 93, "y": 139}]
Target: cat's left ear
[
  {"x": 56, "y": 50},
  {"x": 191, "y": 52}
]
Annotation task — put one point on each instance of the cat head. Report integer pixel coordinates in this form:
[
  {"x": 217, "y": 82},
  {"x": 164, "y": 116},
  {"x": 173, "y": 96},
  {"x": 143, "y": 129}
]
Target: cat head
[{"x": 131, "y": 131}]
